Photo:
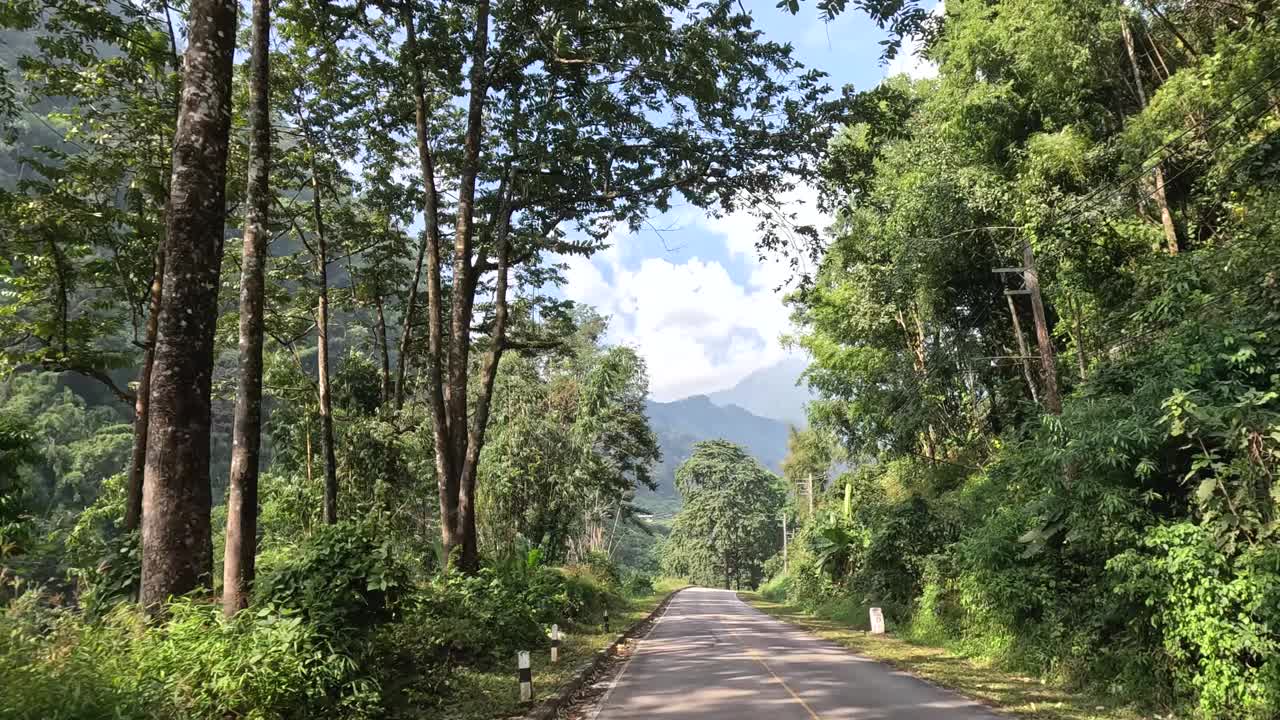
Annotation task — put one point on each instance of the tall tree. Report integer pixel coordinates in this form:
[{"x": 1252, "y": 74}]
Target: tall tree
[
  {"x": 593, "y": 115},
  {"x": 730, "y": 521},
  {"x": 94, "y": 183},
  {"x": 176, "y": 539},
  {"x": 242, "y": 494}
]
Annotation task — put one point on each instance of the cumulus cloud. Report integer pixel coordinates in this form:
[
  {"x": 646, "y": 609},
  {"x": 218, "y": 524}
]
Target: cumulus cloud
[{"x": 698, "y": 330}]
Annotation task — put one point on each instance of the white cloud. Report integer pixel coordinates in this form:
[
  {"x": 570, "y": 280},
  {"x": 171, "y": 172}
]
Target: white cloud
[
  {"x": 698, "y": 329},
  {"x": 741, "y": 232}
]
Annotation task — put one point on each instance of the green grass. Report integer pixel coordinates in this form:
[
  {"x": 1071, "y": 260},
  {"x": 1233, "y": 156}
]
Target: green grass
[
  {"x": 981, "y": 680},
  {"x": 488, "y": 695}
]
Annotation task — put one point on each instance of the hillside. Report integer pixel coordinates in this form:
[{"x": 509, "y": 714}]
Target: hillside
[
  {"x": 681, "y": 423},
  {"x": 772, "y": 392}
]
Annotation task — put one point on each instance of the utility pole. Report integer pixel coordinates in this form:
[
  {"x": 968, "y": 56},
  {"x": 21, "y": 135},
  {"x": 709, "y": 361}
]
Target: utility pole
[
  {"x": 1048, "y": 363},
  {"x": 784, "y": 543},
  {"x": 811, "y": 495}
]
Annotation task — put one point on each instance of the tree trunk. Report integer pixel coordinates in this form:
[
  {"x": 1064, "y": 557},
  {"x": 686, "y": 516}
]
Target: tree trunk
[
  {"x": 475, "y": 438},
  {"x": 176, "y": 544},
  {"x": 142, "y": 403},
  {"x": 464, "y": 295},
  {"x": 322, "y": 354},
  {"x": 1162, "y": 201},
  {"x": 1082, "y": 356},
  {"x": 1023, "y": 352},
  {"x": 446, "y": 480},
  {"x": 380, "y": 337},
  {"x": 406, "y": 331},
  {"x": 246, "y": 433}
]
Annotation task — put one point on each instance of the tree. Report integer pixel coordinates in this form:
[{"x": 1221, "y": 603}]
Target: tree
[
  {"x": 89, "y": 194},
  {"x": 571, "y": 444},
  {"x": 242, "y": 496},
  {"x": 176, "y": 544},
  {"x": 584, "y": 115},
  {"x": 729, "y": 524}
]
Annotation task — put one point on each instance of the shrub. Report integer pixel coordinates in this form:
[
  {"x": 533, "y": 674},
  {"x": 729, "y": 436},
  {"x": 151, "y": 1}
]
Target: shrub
[
  {"x": 480, "y": 620},
  {"x": 775, "y": 590},
  {"x": 637, "y": 584},
  {"x": 54, "y": 665},
  {"x": 1219, "y": 616},
  {"x": 340, "y": 579},
  {"x": 587, "y": 594}
]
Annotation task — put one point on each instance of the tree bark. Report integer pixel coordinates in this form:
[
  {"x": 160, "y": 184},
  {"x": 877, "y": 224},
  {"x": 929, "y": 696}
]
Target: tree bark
[
  {"x": 475, "y": 439},
  {"x": 176, "y": 540},
  {"x": 1162, "y": 200},
  {"x": 142, "y": 402},
  {"x": 464, "y": 294},
  {"x": 246, "y": 433},
  {"x": 1023, "y": 352},
  {"x": 447, "y": 482},
  {"x": 322, "y": 353},
  {"x": 380, "y": 336},
  {"x": 406, "y": 330}
]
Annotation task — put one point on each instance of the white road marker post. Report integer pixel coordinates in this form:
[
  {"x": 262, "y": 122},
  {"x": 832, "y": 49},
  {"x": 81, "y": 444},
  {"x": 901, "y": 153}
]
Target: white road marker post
[
  {"x": 606, "y": 619},
  {"x": 877, "y": 621},
  {"x": 555, "y": 643},
  {"x": 526, "y": 676}
]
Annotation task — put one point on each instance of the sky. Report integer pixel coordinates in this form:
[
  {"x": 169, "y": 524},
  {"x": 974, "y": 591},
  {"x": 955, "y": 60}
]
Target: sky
[{"x": 690, "y": 292}]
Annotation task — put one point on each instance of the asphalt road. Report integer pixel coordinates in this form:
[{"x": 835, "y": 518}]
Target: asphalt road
[{"x": 714, "y": 657}]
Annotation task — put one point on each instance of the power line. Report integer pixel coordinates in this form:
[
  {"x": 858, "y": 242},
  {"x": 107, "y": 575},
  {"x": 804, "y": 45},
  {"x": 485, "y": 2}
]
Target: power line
[{"x": 1144, "y": 168}]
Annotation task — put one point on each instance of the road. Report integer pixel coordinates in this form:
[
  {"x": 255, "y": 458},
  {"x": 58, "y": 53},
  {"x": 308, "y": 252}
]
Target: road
[{"x": 713, "y": 657}]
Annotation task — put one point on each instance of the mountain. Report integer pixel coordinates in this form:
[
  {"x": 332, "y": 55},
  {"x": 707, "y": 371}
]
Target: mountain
[
  {"x": 681, "y": 423},
  {"x": 771, "y": 392}
]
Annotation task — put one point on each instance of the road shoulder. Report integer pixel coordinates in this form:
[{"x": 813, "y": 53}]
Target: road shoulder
[{"x": 1016, "y": 695}]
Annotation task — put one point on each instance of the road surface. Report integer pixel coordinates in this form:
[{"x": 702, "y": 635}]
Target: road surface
[{"x": 713, "y": 657}]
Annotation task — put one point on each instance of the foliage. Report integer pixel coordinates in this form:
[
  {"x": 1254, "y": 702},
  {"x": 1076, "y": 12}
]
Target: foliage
[
  {"x": 1217, "y": 615},
  {"x": 731, "y": 520},
  {"x": 196, "y": 664},
  {"x": 342, "y": 579},
  {"x": 1125, "y": 541},
  {"x": 17, "y": 448},
  {"x": 570, "y": 446}
]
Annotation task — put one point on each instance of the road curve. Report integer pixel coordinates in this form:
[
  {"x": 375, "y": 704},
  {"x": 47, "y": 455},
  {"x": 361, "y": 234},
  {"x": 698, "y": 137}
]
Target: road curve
[{"x": 713, "y": 657}]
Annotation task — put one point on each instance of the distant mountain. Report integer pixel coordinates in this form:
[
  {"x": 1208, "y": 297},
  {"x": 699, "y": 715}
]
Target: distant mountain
[
  {"x": 771, "y": 392},
  {"x": 681, "y": 423}
]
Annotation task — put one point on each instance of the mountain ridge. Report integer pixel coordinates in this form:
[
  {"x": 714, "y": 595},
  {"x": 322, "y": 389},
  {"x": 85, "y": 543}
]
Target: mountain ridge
[
  {"x": 681, "y": 423},
  {"x": 772, "y": 392}
]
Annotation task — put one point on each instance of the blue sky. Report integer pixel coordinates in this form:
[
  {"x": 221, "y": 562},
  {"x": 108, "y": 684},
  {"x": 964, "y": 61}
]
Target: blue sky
[{"x": 690, "y": 293}]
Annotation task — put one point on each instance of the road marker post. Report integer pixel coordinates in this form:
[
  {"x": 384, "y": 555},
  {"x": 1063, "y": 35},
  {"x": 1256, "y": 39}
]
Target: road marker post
[
  {"x": 526, "y": 676},
  {"x": 606, "y": 619},
  {"x": 877, "y": 621},
  {"x": 555, "y": 643}
]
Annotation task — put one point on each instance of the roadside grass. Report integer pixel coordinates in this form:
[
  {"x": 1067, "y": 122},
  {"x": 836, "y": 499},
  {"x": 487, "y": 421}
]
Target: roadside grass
[
  {"x": 496, "y": 694},
  {"x": 981, "y": 680}
]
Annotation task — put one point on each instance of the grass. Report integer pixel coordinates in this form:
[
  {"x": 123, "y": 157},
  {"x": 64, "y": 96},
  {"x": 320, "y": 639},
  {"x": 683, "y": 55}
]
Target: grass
[
  {"x": 488, "y": 695},
  {"x": 976, "y": 678}
]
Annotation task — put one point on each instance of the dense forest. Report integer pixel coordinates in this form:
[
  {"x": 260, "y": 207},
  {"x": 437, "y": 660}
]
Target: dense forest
[
  {"x": 296, "y": 421},
  {"x": 1045, "y": 338}
]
